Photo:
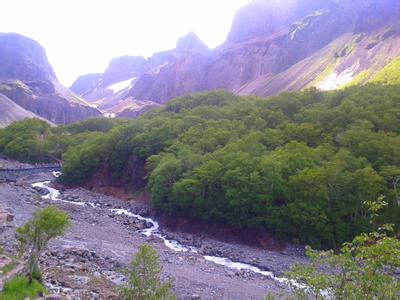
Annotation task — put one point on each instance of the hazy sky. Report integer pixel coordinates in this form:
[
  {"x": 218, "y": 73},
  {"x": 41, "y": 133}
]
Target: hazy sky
[{"x": 81, "y": 36}]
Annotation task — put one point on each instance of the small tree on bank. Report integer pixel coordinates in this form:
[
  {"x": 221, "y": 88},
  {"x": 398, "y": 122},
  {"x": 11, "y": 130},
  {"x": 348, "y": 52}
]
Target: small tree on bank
[
  {"x": 34, "y": 236},
  {"x": 363, "y": 269},
  {"x": 144, "y": 281}
]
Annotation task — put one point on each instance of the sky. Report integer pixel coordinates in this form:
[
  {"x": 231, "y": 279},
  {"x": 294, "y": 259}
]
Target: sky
[{"x": 82, "y": 36}]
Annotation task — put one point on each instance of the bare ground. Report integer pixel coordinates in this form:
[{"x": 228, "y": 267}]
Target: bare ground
[{"x": 88, "y": 260}]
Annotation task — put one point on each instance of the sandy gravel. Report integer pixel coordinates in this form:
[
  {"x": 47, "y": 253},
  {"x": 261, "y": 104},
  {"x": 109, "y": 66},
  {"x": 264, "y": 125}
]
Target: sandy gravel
[{"x": 114, "y": 238}]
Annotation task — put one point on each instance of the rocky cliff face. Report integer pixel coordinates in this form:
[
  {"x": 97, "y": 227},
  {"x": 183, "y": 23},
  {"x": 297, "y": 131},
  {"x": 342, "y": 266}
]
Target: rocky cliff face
[
  {"x": 27, "y": 79},
  {"x": 11, "y": 112},
  {"x": 274, "y": 46},
  {"x": 85, "y": 84},
  {"x": 138, "y": 81}
]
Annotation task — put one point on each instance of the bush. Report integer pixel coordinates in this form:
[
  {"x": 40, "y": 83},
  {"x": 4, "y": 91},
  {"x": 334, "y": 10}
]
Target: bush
[
  {"x": 363, "y": 269},
  {"x": 144, "y": 282},
  {"x": 19, "y": 288},
  {"x": 46, "y": 224}
]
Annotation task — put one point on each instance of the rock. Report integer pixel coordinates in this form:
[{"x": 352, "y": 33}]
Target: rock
[
  {"x": 6, "y": 217},
  {"x": 230, "y": 273},
  {"x": 54, "y": 297},
  {"x": 191, "y": 43},
  {"x": 240, "y": 273},
  {"x": 140, "y": 225},
  {"x": 154, "y": 239},
  {"x": 80, "y": 280},
  {"x": 28, "y": 80}
]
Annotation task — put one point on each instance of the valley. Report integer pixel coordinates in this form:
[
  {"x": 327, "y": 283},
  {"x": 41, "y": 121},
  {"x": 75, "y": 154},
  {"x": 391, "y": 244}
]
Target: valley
[
  {"x": 267, "y": 167},
  {"x": 103, "y": 239}
]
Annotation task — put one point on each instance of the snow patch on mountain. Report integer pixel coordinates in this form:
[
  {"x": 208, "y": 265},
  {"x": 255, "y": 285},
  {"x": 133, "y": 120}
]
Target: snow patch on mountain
[
  {"x": 335, "y": 80},
  {"x": 119, "y": 86}
]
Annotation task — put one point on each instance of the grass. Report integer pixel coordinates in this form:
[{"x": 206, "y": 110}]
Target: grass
[
  {"x": 18, "y": 289},
  {"x": 330, "y": 68},
  {"x": 9, "y": 267},
  {"x": 360, "y": 79},
  {"x": 389, "y": 75}
]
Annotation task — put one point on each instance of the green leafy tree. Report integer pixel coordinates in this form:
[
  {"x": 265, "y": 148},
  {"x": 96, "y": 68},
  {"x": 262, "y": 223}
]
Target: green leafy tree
[
  {"x": 144, "y": 281},
  {"x": 299, "y": 164},
  {"x": 363, "y": 269},
  {"x": 33, "y": 236}
]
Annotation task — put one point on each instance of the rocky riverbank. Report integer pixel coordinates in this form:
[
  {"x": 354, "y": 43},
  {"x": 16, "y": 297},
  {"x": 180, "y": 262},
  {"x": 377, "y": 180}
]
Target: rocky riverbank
[{"x": 88, "y": 261}]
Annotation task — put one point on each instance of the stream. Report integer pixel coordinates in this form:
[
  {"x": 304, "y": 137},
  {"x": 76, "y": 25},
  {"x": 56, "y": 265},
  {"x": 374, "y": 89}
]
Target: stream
[{"x": 153, "y": 230}]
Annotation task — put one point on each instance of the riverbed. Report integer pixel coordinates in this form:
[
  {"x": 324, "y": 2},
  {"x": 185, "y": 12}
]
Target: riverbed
[{"x": 114, "y": 229}]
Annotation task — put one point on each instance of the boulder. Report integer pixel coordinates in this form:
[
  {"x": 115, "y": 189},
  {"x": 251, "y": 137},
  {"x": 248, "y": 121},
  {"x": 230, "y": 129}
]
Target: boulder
[{"x": 6, "y": 217}]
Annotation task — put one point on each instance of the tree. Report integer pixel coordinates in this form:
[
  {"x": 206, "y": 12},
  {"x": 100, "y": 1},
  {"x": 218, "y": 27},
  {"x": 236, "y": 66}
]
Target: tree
[
  {"x": 34, "y": 236},
  {"x": 363, "y": 269},
  {"x": 144, "y": 282}
]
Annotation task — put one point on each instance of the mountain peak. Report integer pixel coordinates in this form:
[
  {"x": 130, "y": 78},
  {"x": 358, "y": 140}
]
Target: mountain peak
[
  {"x": 23, "y": 58},
  {"x": 191, "y": 43},
  {"x": 266, "y": 17},
  {"x": 29, "y": 86},
  {"x": 121, "y": 68}
]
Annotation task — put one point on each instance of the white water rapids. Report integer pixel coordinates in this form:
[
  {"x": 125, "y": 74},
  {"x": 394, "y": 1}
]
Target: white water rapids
[{"x": 171, "y": 244}]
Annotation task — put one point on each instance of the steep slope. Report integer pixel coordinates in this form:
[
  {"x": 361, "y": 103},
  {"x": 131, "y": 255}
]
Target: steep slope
[
  {"x": 115, "y": 92},
  {"x": 350, "y": 41},
  {"x": 86, "y": 83},
  {"x": 11, "y": 112},
  {"x": 27, "y": 79},
  {"x": 273, "y": 46}
]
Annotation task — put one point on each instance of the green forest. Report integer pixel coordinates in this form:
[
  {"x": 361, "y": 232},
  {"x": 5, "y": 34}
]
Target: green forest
[{"x": 299, "y": 164}]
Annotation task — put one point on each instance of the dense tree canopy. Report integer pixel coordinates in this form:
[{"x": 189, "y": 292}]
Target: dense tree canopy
[
  {"x": 33, "y": 140},
  {"x": 299, "y": 164}
]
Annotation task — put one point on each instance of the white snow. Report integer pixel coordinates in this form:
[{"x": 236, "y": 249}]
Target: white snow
[
  {"x": 335, "y": 80},
  {"x": 119, "y": 86},
  {"x": 158, "y": 69},
  {"x": 293, "y": 34},
  {"x": 109, "y": 115}
]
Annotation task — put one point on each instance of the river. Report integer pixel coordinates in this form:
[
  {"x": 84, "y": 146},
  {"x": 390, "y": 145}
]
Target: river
[{"x": 154, "y": 230}]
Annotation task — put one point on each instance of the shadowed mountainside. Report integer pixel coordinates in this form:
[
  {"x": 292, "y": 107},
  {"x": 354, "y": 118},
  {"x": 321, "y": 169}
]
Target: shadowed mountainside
[
  {"x": 273, "y": 46},
  {"x": 28, "y": 80}
]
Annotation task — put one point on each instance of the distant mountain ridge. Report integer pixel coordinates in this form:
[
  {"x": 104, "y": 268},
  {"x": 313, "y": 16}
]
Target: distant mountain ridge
[
  {"x": 273, "y": 46},
  {"x": 28, "y": 80},
  {"x": 127, "y": 76}
]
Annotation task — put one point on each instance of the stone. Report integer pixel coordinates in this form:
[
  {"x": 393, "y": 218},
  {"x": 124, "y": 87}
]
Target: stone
[
  {"x": 54, "y": 297},
  {"x": 6, "y": 217}
]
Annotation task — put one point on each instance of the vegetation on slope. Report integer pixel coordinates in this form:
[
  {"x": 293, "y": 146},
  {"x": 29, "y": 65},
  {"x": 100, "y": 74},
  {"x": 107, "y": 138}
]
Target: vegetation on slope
[
  {"x": 299, "y": 164},
  {"x": 144, "y": 277},
  {"x": 34, "y": 140},
  {"x": 19, "y": 288},
  {"x": 33, "y": 237},
  {"x": 363, "y": 268},
  {"x": 389, "y": 75}
]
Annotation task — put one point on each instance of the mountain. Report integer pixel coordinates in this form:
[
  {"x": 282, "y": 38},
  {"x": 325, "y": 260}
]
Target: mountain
[
  {"x": 11, "y": 112},
  {"x": 128, "y": 76},
  {"x": 273, "y": 46},
  {"x": 29, "y": 82}
]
